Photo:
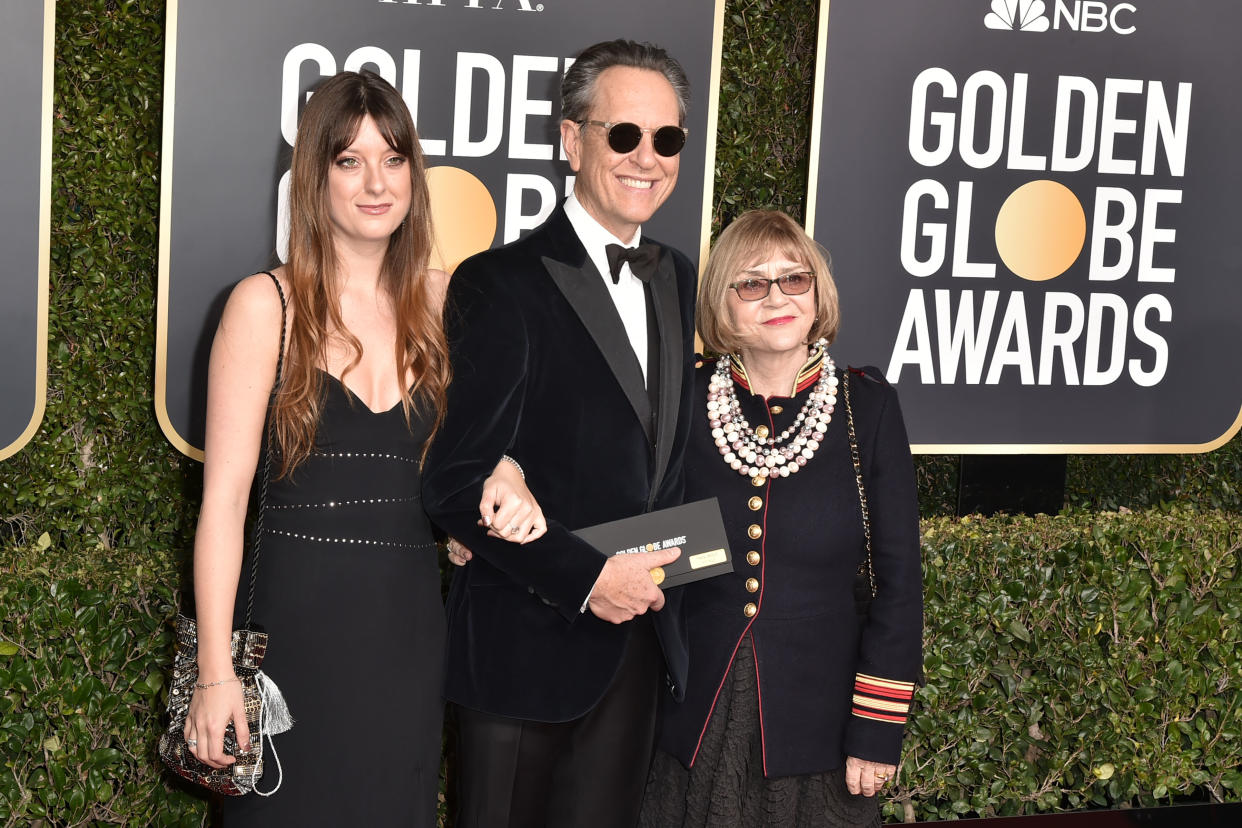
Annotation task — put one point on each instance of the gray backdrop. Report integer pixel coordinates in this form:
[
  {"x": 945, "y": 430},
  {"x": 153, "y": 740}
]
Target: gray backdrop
[
  {"x": 875, "y": 50},
  {"x": 225, "y": 151},
  {"x": 22, "y": 340}
]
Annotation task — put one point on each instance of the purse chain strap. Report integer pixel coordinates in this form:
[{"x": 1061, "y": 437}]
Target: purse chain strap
[
  {"x": 862, "y": 492},
  {"x": 267, "y": 461}
]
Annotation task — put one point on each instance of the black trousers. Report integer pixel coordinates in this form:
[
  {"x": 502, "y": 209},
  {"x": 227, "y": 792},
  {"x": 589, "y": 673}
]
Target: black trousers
[{"x": 586, "y": 773}]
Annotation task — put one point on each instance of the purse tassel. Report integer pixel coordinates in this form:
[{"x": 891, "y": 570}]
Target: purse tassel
[{"x": 274, "y": 717}]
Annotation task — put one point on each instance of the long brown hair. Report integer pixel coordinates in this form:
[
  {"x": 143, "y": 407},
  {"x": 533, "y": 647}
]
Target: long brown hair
[{"x": 328, "y": 125}]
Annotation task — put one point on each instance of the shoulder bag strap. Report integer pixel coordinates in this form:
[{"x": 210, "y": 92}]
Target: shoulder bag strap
[
  {"x": 865, "y": 568},
  {"x": 265, "y": 475}
]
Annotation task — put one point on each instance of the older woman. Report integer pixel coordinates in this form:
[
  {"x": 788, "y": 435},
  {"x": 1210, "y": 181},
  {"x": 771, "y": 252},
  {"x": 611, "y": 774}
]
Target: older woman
[{"x": 797, "y": 696}]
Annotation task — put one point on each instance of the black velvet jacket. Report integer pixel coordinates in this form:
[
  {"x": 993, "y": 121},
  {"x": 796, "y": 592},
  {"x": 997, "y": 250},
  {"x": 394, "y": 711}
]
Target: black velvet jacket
[
  {"x": 796, "y": 544},
  {"x": 543, "y": 371}
]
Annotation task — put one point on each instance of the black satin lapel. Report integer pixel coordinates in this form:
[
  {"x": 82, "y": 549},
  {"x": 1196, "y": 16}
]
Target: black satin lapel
[
  {"x": 585, "y": 291},
  {"x": 668, "y": 317}
]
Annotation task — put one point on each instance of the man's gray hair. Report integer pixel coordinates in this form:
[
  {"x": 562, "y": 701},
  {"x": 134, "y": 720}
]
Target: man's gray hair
[{"x": 578, "y": 87}]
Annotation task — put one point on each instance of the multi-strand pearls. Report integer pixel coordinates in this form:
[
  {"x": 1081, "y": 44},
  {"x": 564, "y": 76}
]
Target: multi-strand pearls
[{"x": 756, "y": 454}]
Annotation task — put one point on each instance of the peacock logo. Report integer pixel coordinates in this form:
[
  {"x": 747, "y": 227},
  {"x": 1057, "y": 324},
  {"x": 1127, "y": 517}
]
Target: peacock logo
[{"x": 1018, "y": 15}]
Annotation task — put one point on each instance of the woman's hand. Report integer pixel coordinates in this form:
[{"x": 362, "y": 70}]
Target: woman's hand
[
  {"x": 211, "y": 710},
  {"x": 862, "y": 776},
  {"x": 508, "y": 509},
  {"x": 458, "y": 555}
]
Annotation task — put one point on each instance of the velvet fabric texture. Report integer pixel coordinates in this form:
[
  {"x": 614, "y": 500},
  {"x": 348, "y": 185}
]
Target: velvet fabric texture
[
  {"x": 808, "y": 640},
  {"x": 543, "y": 372}
]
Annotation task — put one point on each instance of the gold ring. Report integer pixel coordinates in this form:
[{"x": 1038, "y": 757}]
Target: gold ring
[{"x": 657, "y": 575}]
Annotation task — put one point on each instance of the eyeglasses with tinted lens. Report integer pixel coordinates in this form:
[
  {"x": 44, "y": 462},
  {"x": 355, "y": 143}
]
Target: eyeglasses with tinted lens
[
  {"x": 791, "y": 284},
  {"x": 625, "y": 137}
]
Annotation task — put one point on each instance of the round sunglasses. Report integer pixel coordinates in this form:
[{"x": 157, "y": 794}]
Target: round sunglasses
[
  {"x": 754, "y": 288},
  {"x": 625, "y": 137}
]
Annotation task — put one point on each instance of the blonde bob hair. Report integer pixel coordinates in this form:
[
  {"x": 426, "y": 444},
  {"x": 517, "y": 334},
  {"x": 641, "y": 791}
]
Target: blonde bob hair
[{"x": 753, "y": 238}]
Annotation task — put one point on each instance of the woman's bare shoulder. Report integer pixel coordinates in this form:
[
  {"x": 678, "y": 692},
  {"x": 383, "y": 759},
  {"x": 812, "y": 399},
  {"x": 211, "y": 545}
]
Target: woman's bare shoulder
[{"x": 255, "y": 300}]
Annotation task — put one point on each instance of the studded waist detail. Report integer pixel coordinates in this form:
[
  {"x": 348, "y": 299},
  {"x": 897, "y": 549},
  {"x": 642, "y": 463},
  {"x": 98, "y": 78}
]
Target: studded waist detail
[
  {"x": 365, "y": 455},
  {"x": 349, "y": 541},
  {"x": 332, "y": 504}
]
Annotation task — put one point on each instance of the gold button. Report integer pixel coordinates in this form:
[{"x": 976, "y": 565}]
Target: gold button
[
  {"x": 761, "y": 432},
  {"x": 752, "y": 558},
  {"x": 754, "y": 531},
  {"x": 756, "y": 481},
  {"x": 776, "y": 409},
  {"x": 752, "y": 584},
  {"x": 755, "y": 503},
  {"x": 749, "y": 610}
]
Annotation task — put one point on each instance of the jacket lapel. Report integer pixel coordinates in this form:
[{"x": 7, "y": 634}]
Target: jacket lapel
[
  {"x": 668, "y": 318},
  {"x": 583, "y": 288}
]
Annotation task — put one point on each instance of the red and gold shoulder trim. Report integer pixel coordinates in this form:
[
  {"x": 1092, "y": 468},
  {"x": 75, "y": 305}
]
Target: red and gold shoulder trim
[{"x": 882, "y": 700}]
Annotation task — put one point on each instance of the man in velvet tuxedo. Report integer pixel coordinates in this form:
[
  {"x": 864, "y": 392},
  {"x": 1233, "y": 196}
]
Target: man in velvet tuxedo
[{"x": 557, "y": 653}]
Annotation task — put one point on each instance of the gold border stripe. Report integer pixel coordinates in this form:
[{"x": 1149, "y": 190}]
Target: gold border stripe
[
  {"x": 166, "y": 184},
  {"x": 1081, "y": 448},
  {"x": 45, "y": 234},
  {"x": 817, "y": 117}
]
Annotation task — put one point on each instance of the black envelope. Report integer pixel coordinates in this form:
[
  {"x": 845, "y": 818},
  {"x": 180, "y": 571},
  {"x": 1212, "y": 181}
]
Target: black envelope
[{"x": 696, "y": 527}]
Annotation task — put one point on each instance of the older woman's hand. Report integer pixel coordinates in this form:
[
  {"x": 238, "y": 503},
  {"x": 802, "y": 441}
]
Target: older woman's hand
[
  {"x": 508, "y": 509},
  {"x": 862, "y": 776}
]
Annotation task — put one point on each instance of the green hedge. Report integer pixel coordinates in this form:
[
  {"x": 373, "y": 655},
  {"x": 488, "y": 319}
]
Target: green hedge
[
  {"x": 1076, "y": 661},
  {"x": 95, "y": 514},
  {"x": 82, "y": 669},
  {"x": 1072, "y": 661}
]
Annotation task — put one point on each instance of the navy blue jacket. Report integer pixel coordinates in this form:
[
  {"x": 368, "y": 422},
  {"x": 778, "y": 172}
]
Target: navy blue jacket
[{"x": 797, "y": 543}]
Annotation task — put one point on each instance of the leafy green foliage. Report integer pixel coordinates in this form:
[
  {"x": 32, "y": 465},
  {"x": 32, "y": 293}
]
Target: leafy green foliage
[
  {"x": 82, "y": 662},
  {"x": 1077, "y": 661},
  {"x": 763, "y": 122},
  {"x": 1082, "y": 659}
]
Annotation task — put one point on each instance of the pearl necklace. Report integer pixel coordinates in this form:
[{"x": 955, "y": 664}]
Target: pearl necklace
[{"x": 753, "y": 453}]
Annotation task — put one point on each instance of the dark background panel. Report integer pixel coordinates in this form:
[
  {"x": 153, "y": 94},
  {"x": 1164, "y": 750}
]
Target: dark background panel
[
  {"x": 21, "y": 127},
  {"x": 875, "y": 51},
  {"x": 229, "y": 152}
]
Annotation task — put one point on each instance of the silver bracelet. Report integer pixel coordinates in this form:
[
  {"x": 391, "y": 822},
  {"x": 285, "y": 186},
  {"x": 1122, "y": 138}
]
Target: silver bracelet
[
  {"x": 215, "y": 683},
  {"x": 515, "y": 463}
]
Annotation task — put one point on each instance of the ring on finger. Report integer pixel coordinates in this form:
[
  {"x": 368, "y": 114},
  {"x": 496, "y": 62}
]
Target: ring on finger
[
  {"x": 193, "y": 743},
  {"x": 513, "y": 527}
]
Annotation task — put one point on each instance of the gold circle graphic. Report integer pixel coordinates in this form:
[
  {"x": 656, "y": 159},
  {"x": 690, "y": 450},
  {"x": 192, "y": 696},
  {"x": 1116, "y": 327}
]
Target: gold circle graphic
[
  {"x": 657, "y": 575},
  {"x": 1040, "y": 230},
  {"x": 463, "y": 216}
]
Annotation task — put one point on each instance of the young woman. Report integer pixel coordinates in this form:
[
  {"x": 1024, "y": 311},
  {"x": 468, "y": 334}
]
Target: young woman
[{"x": 348, "y": 586}]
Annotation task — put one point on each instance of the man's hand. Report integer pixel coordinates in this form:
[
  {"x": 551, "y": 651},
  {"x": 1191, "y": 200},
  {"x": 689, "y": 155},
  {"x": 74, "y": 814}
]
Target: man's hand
[{"x": 625, "y": 589}]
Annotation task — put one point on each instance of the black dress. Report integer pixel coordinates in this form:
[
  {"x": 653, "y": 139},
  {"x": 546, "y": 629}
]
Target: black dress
[{"x": 349, "y": 591}]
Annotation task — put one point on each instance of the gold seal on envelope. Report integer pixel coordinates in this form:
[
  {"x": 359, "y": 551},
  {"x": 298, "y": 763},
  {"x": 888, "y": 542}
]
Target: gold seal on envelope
[{"x": 657, "y": 575}]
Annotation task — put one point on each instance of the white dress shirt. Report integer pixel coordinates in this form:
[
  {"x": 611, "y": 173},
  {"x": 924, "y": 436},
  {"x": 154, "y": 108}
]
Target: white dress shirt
[{"x": 628, "y": 294}]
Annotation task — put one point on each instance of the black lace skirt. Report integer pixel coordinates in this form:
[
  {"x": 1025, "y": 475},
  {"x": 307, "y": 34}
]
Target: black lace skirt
[{"x": 726, "y": 787}]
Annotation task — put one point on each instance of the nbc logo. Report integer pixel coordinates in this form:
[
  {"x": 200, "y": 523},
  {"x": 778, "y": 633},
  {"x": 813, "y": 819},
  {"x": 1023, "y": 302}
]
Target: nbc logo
[
  {"x": 1076, "y": 15},
  {"x": 1020, "y": 15}
]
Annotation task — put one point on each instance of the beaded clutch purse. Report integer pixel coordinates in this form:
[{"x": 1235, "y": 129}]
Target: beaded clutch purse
[{"x": 247, "y": 649}]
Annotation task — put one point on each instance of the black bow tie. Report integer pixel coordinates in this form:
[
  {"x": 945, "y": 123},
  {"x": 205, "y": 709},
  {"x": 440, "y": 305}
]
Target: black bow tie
[{"x": 642, "y": 259}]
